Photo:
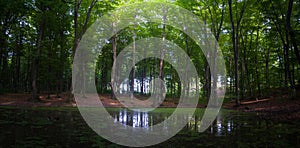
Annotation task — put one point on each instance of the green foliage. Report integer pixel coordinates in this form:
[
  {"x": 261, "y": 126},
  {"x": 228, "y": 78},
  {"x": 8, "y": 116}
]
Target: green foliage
[{"x": 263, "y": 36}]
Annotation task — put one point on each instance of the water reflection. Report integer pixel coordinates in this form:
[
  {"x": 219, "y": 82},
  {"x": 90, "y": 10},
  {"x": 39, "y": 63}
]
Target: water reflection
[
  {"x": 221, "y": 126},
  {"x": 133, "y": 118},
  {"x": 66, "y": 128}
]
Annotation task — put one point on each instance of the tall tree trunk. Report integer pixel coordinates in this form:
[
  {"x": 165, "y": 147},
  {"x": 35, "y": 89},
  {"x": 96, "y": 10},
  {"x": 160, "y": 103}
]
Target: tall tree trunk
[
  {"x": 235, "y": 48},
  {"x": 267, "y": 57},
  {"x": 243, "y": 71},
  {"x": 27, "y": 76},
  {"x": 257, "y": 64},
  {"x": 3, "y": 53},
  {"x": 103, "y": 84},
  {"x": 208, "y": 80},
  {"x": 280, "y": 67},
  {"x": 162, "y": 52},
  {"x": 235, "y": 40},
  {"x": 133, "y": 60},
  {"x": 230, "y": 76},
  {"x": 247, "y": 84},
  {"x": 59, "y": 74},
  {"x": 16, "y": 82},
  {"x": 291, "y": 31},
  {"x": 187, "y": 83},
  {"x": 284, "y": 41},
  {"x": 246, "y": 66},
  {"x": 217, "y": 32},
  {"x": 288, "y": 31},
  {"x": 48, "y": 71},
  {"x": 207, "y": 67},
  {"x": 114, "y": 82},
  {"x": 78, "y": 35},
  {"x": 37, "y": 58}
]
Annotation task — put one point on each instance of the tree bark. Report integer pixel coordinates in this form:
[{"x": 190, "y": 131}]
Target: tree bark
[
  {"x": 162, "y": 54},
  {"x": 36, "y": 58},
  {"x": 78, "y": 35},
  {"x": 217, "y": 28},
  {"x": 291, "y": 31},
  {"x": 267, "y": 57},
  {"x": 187, "y": 83},
  {"x": 235, "y": 40},
  {"x": 257, "y": 64},
  {"x": 114, "y": 82},
  {"x": 133, "y": 60},
  {"x": 288, "y": 31},
  {"x": 235, "y": 48}
]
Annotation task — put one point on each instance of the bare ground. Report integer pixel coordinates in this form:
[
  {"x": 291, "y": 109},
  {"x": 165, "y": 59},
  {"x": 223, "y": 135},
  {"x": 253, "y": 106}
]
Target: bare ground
[
  {"x": 279, "y": 106},
  {"x": 274, "y": 107},
  {"x": 25, "y": 100}
]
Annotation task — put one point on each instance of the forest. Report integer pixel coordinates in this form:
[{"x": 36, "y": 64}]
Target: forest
[{"x": 259, "y": 40}]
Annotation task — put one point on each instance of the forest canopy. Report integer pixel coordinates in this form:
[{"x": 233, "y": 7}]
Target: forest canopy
[{"x": 258, "y": 38}]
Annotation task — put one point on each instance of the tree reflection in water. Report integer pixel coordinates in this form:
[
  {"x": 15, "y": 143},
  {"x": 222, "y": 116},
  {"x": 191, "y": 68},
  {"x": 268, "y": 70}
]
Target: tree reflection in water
[
  {"x": 221, "y": 126},
  {"x": 133, "y": 118}
]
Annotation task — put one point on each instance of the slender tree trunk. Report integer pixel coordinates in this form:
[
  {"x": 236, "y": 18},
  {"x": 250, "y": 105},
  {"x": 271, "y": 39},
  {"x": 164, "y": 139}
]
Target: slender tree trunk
[
  {"x": 288, "y": 31},
  {"x": 16, "y": 82},
  {"x": 243, "y": 75},
  {"x": 59, "y": 74},
  {"x": 103, "y": 78},
  {"x": 78, "y": 35},
  {"x": 48, "y": 71},
  {"x": 142, "y": 82},
  {"x": 3, "y": 54},
  {"x": 162, "y": 54},
  {"x": 114, "y": 82},
  {"x": 27, "y": 81},
  {"x": 36, "y": 58},
  {"x": 291, "y": 31},
  {"x": 230, "y": 76},
  {"x": 207, "y": 67},
  {"x": 285, "y": 45},
  {"x": 235, "y": 42},
  {"x": 133, "y": 60},
  {"x": 246, "y": 65},
  {"x": 187, "y": 83},
  {"x": 208, "y": 80},
  {"x": 150, "y": 80},
  {"x": 246, "y": 85},
  {"x": 234, "y": 38},
  {"x": 5, "y": 74},
  {"x": 179, "y": 88},
  {"x": 257, "y": 64},
  {"x": 267, "y": 57},
  {"x": 280, "y": 67}
]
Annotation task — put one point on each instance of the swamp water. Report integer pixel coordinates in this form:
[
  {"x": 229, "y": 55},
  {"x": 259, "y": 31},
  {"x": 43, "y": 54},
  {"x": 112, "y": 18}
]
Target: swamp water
[{"x": 64, "y": 127}]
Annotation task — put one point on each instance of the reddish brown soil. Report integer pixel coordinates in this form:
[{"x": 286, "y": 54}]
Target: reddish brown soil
[
  {"x": 278, "y": 108},
  {"x": 24, "y": 100}
]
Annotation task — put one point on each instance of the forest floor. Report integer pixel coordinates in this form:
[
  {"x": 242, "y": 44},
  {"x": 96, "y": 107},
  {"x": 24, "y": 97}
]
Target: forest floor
[
  {"x": 282, "y": 109},
  {"x": 277, "y": 107}
]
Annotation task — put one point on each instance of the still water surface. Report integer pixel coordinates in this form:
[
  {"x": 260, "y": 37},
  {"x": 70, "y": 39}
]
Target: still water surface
[{"x": 64, "y": 127}]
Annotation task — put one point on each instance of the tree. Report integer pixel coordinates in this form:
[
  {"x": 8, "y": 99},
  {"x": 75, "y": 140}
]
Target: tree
[
  {"x": 235, "y": 42},
  {"x": 44, "y": 8}
]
